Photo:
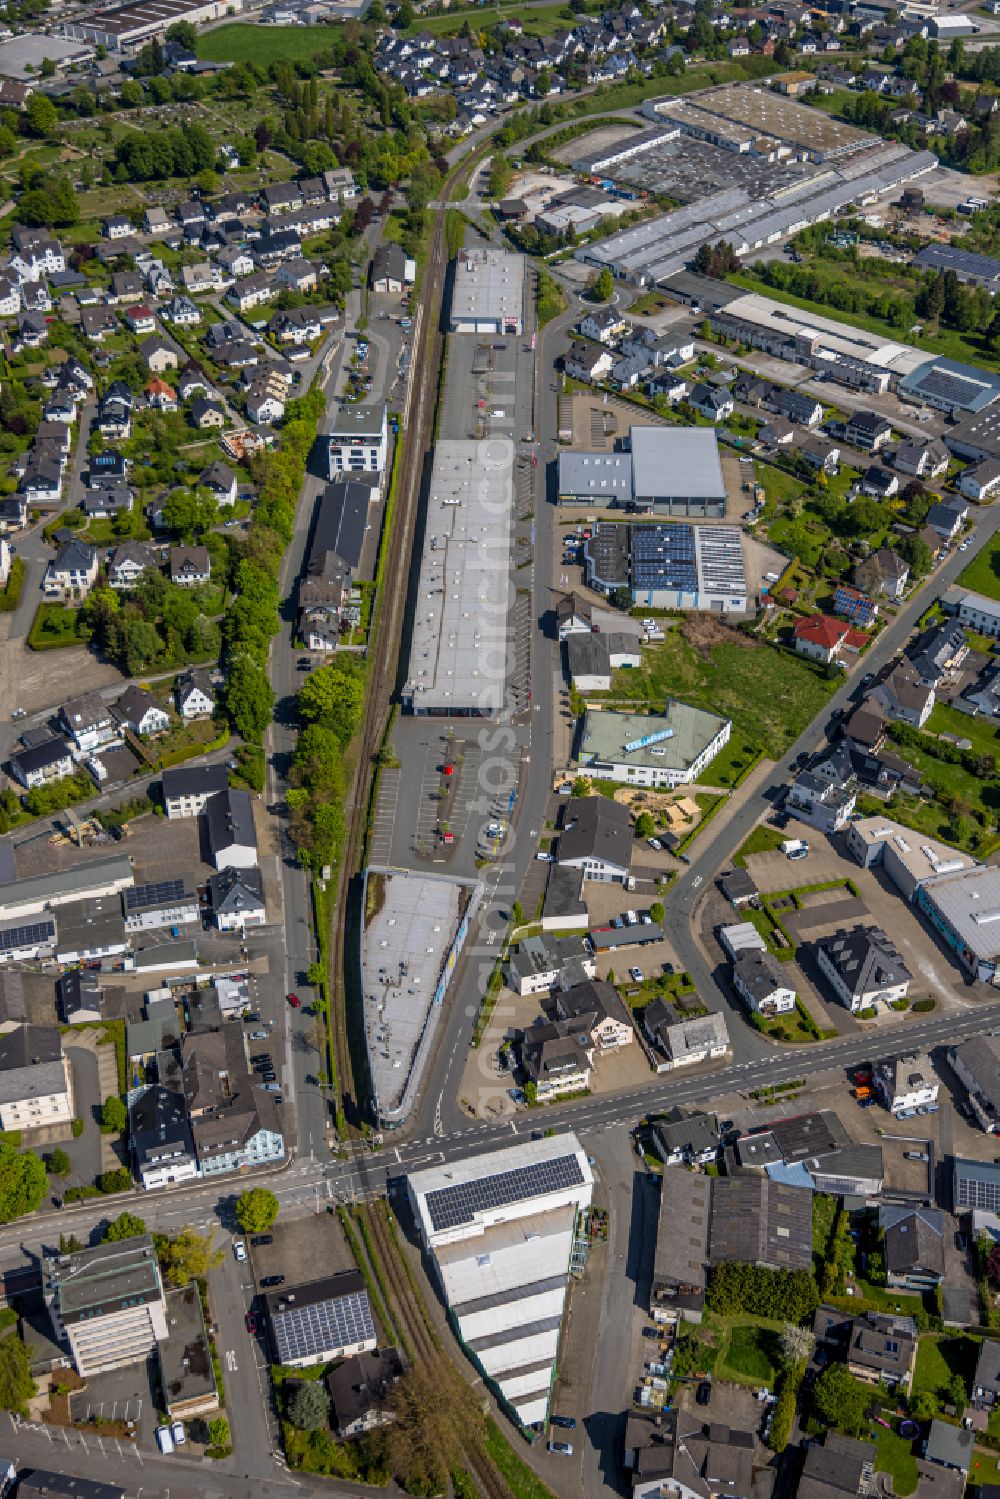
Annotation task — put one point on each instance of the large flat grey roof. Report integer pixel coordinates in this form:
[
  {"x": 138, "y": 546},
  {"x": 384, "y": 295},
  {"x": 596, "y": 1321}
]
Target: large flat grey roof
[
  {"x": 969, "y": 901},
  {"x": 459, "y": 647},
  {"x": 404, "y": 954},
  {"x": 65, "y": 884},
  {"x": 605, "y": 736},
  {"x": 677, "y": 460},
  {"x": 489, "y": 285},
  {"x": 600, "y": 476}
]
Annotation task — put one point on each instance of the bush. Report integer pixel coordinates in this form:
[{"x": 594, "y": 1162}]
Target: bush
[
  {"x": 77, "y": 1127},
  {"x": 58, "y": 1163},
  {"x": 114, "y": 1116},
  {"x": 783, "y": 1414},
  {"x": 308, "y": 1406},
  {"x": 784, "y": 1295},
  {"x": 11, "y": 595},
  {"x": 118, "y": 1180}
]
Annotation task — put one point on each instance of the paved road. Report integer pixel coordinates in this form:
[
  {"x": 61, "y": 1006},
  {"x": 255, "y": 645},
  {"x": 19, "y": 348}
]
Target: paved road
[
  {"x": 713, "y": 852},
  {"x": 150, "y": 1476},
  {"x": 439, "y": 1110},
  {"x": 303, "y": 1100},
  {"x": 382, "y": 1170}
]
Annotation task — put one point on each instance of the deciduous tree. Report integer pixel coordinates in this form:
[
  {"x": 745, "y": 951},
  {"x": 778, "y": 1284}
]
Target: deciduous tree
[{"x": 256, "y": 1210}]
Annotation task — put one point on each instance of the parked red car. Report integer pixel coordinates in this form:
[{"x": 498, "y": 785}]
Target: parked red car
[{"x": 293, "y": 1000}]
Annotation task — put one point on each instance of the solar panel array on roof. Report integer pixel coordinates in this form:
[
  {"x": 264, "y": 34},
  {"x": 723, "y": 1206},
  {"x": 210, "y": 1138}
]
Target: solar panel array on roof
[
  {"x": 157, "y": 893},
  {"x": 300, "y": 1331},
  {"x": 720, "y": 559},
  {"x": 30, "y": 935},
  {"x": 947, "y": 386},
  {"x": 451, "y": 1206},
  {"x": 963, "y": 262},
  {"x": 664, "y": 557}
]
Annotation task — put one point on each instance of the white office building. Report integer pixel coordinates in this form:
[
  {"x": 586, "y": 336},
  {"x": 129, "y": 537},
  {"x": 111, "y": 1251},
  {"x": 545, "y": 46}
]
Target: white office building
[
  {"x": 500, "y": 1228},
  {"x": 107, "y": 1303},
  {"x": 358, "y": 441}
]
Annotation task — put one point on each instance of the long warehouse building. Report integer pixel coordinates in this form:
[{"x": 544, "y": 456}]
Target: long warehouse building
[
  {"x": 126, "y": 28},
  {"x": 461, "y": 626},
  {"x": 649, "y": 252}
]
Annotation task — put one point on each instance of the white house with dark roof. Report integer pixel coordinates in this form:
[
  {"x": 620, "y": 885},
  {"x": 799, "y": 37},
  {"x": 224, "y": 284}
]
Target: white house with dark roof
[
  {"x": 72, "y": 572},
  {"x": 194, "y": 694},
  {"x": 190, "y": 566},
  {"x": 863, "y": 967},
  {"x": 39, "y": 764},
  {"x": 237, "y": 899},
  {"x": 232, "y": 837}
]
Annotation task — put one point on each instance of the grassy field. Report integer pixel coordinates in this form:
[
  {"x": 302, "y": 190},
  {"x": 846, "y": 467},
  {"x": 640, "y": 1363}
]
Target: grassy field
[
  {"x": 267, "y": 44},
  {"x": 939, "y": 1359},
  {"x": 744, "y": 1346},
  {"x": 982, "y": 795},
  {"x": 760, "y": 841},
  {"x": 982, "y": 732},
  {"x": 895, "y": 1455},
  {"x": 540, "y": 22},
  {"x": 55, "y": 626},
  {"x": 968, "y": 348},
  {"x": 982, "y": 574},
  {"x": 770, "y": 695},
  {"x": 747, "y": 1354},
  {"x": 732, "y": 763}
]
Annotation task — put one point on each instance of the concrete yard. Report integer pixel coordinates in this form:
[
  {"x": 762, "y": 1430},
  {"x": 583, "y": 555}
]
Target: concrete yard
[
  {"x": 159, "y": 847},
  {"x": 302, "y": 1249},
  {"x": 934, "y": 971}
]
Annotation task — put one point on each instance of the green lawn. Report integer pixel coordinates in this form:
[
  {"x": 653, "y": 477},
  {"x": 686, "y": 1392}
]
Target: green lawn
[
  {"x": 982, "y": 732},
  {"x": 242, "y": 43},
  {"x": 895, "y": 1455},
  {"x": 540, "y": 22},
  {"x": 54, "y": 626},
  {"x": 770, "y": 694},
  {"x": 982, "y": 574},
  {"x": 733, "y": 763},
  {"x": 939, "y": 1359},
  {"x": 761, "y": 841},
  {"x": 982, "y": 795},
  {"x": 747, "y": 1355},
  {"x": 985, "y": 1468}
]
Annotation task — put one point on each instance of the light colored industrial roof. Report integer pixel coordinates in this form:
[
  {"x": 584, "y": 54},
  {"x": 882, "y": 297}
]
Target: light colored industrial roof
[
  {"x": 767, "y": 113},
  {"x": 525, "y": 1156},
  {"x": 489, "y": 285},
  {"x": 921, "y": 856},
  {"x": 969, "y": 901},
  {"x": 66, "y": 884},
  {"x": 601, "y": 476},
  {"x": 605, "y": 736},
  {"x": 405, "y": 947},
  {"x": 23, "y": 55},
  {"x": 676, "y": 460},
  {"x": 842, "y": 338},
  {"x": 458, "y": 653}
]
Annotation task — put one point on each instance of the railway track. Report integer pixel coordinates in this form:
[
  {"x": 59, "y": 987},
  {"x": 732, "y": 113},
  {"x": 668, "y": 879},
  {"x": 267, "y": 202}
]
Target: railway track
[
  {"x": 384, "y": 648},
  {"x": 457, "y": 1397}
]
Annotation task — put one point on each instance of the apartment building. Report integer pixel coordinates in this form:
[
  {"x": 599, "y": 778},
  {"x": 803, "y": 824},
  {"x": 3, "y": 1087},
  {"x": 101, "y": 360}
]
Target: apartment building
[{"x": 107, "y": 1303}]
